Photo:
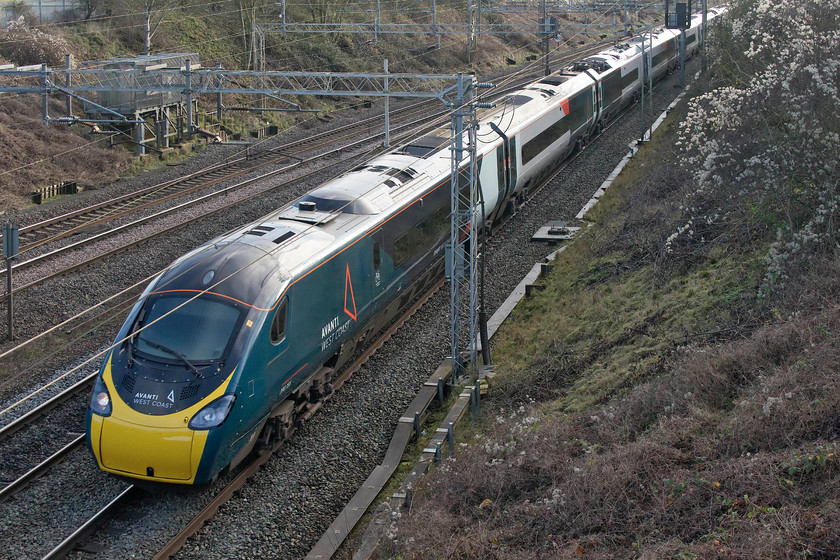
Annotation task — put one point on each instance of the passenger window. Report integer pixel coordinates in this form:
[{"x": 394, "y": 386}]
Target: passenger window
[{"x": 278, "y": 325}]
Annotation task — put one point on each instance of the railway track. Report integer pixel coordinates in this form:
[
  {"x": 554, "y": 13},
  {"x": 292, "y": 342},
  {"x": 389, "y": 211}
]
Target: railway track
[
  {"x": 94, "y": 219},
  {"x": 107, "y": 313},
  {"x": 129, "y": 495},
  {"x": 90, "y": 218},
  {"x": 68, "y": 452}
]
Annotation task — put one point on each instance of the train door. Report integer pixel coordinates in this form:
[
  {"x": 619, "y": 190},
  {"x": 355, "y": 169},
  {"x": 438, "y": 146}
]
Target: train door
[
  {"x": 378, "y": 273},
  {"x": 505, "y": 174},
  {"x": 597, "y": 103}
]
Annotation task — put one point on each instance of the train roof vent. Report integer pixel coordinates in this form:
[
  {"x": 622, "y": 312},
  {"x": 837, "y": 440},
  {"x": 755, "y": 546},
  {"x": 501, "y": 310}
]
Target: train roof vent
[
  {"x": 402, "y": 175},
  {"x": 284, "y": 237},
  {"x": 316, "y": 216},
  {"x": 426, "y": 146},
  {"x": 327, "y": 200},
  {"x": 545, "y": 92},
  {"x": 518, "y": 100},
  {"x": 553, "y": 80},
  {"x": 259, "y": 231}
]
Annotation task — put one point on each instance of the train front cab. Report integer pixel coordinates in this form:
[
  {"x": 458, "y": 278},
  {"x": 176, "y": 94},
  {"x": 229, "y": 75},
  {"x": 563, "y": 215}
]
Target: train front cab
[{"x": 128, "y": 443}]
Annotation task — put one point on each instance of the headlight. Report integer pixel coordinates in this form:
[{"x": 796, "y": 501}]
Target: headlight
[
  {"x": 100, "y": 401},
  {"x": 214, "y": 414}
]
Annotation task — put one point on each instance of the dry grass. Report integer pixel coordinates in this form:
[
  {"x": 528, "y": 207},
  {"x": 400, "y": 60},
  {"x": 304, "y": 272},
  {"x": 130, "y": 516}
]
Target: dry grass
[
  {"x": 35, "y": 154},
  {"x": 732, "y": 453}
]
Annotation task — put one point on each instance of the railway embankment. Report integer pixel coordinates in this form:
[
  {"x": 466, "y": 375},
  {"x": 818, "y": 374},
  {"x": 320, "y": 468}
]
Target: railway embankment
[{"x": 672, "y": 390}]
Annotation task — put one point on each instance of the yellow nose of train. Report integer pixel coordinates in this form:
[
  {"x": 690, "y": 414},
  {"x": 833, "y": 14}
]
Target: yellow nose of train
[{"x": 159, "y": 448}]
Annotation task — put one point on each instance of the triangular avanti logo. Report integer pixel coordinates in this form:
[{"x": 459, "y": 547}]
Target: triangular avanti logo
[{"x": 349, "y": 298}]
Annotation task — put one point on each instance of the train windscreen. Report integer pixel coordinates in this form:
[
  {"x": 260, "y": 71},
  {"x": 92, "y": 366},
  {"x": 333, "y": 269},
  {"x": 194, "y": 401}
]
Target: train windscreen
[{"x": 177, "y": 328}]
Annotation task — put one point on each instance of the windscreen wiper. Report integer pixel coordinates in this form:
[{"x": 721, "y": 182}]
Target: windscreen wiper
[
  {"x": 130, "y": 348},
  {"x": 174, "y": 353}
]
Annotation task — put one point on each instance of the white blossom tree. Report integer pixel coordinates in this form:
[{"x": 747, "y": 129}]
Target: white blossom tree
[{"x": 763, "y": 145}]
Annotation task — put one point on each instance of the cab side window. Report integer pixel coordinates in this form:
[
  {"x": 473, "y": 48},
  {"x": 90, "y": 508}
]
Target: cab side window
[{"x": 278, "y": 324}]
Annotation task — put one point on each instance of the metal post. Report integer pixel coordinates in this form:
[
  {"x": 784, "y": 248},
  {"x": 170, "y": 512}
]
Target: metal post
[
  {"x": 650, "y": 78},
  {"x": 376, "y": 24},
  {"x": 69, "y": 100},
  {"x": 462, "y": 222},
  {"x": 546, "y": 39},
  {"x": 11, "y": 314},
  {"x": 45, "y": 95},
  {"x": 703, "y": 40},
  {"x": 470, "y": 29},
  {"x": 219, "y": 97},
  {"x": 188, "y": 92},
  {"x": 387, "y": 109},
  {"x": 139, "y": 135},
  {"x": 434, "y": 22},
  {"x": 165, "y": 127},
  {"x": 10, "y": 251},
  {"x": 450, "y": 437},
  {"x": 625, "y": 17},
  {"x": 682, "y": 58},
  {"x": 642, "y": 88}
]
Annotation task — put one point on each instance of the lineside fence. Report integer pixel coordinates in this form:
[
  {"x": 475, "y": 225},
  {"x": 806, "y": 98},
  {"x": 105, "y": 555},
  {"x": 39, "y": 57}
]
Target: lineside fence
[{"x": 64, "y": 187}]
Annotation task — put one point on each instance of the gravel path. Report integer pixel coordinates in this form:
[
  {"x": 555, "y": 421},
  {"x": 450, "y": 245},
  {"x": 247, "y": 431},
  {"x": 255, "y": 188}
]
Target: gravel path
[{"x": 287, "y": 506}]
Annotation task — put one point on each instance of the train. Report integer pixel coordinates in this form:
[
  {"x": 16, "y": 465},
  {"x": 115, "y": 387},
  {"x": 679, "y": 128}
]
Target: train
[{"x": 226, "y": 347}]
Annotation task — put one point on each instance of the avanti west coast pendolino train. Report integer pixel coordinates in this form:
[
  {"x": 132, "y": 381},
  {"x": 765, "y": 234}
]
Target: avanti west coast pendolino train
[{"x": 227, "y": 345}]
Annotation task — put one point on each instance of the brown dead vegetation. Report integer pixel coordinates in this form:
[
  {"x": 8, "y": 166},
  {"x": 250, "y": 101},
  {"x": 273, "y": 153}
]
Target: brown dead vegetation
[
  {"x": 732, "y": 454},
  {"x": 36, "y": 154}
]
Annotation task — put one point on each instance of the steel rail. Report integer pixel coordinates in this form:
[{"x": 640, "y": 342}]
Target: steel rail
[
  {"x": 37, "y": 471},
  {"x": 68, "y": 544},
  {"x": 28, "y": 418}
]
